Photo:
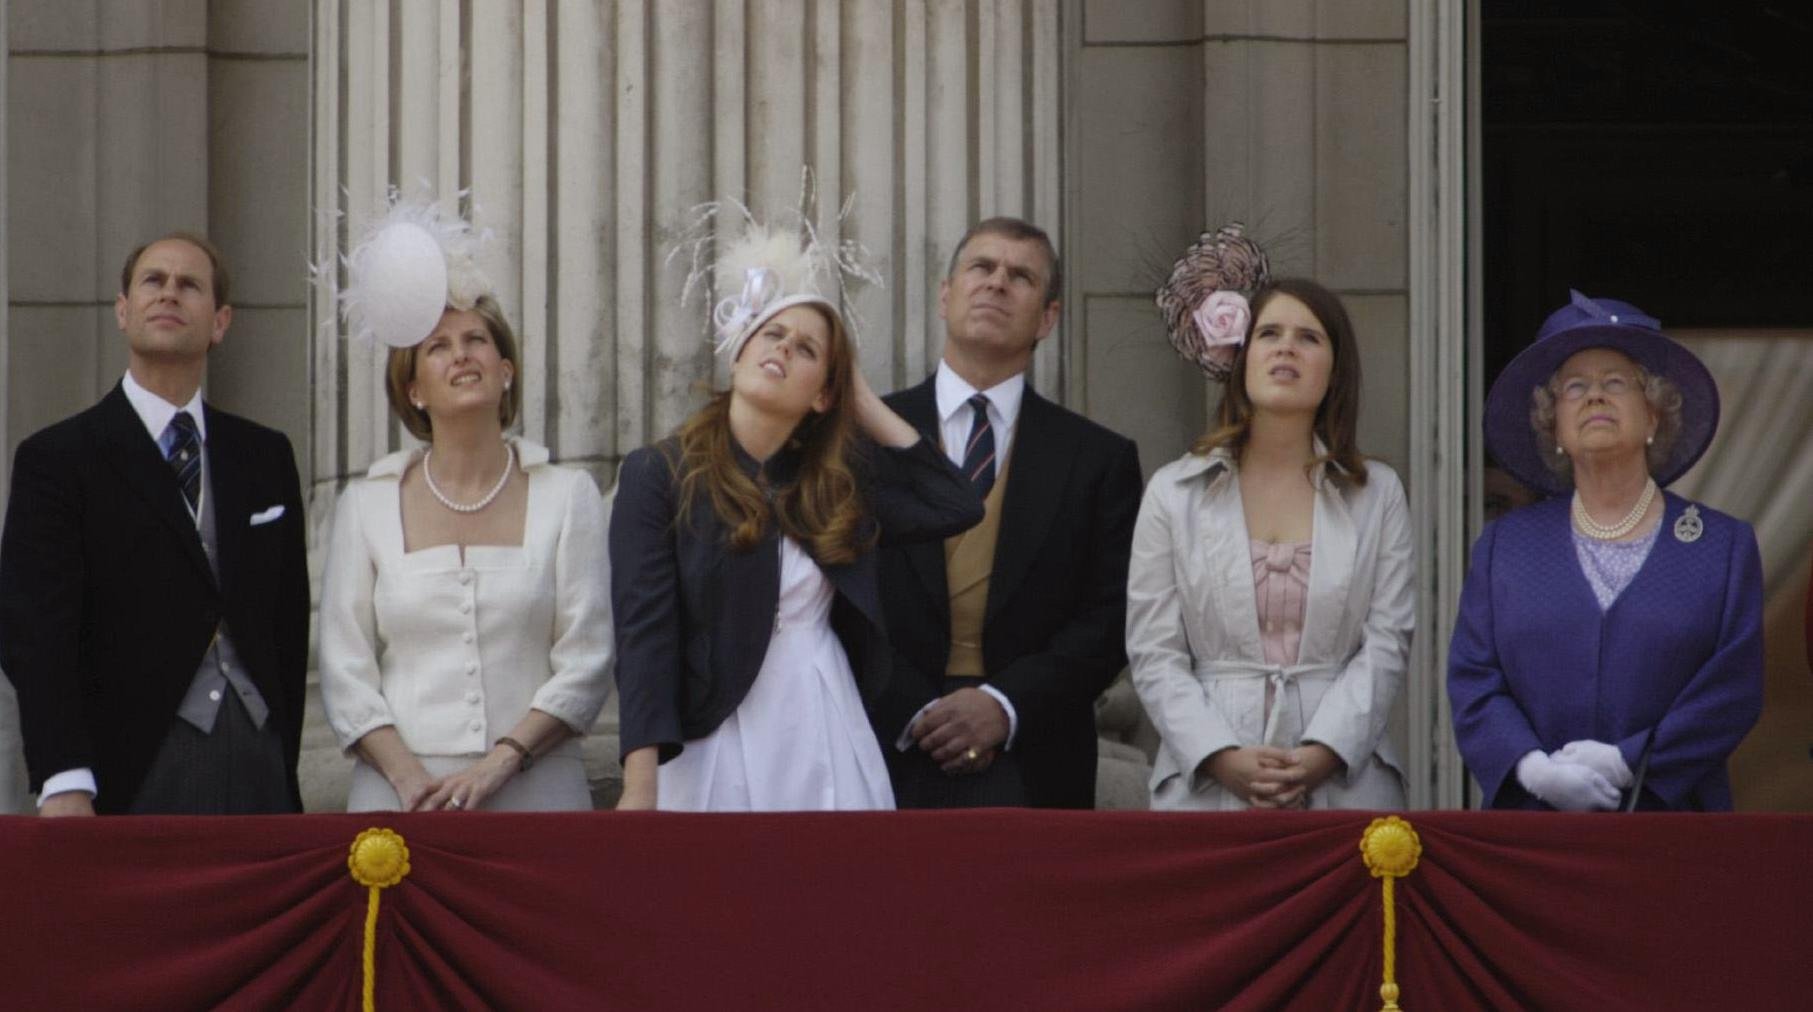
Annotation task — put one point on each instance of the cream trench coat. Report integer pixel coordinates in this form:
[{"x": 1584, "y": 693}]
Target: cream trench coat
[{"x": 1193, "y": 632}]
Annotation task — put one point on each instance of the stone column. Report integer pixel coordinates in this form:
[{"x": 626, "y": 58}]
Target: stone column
[
  {"x": 104, "y": 119},
  {"x": 1292, "y": 116},
  {"x": 582, "y": 133},
  {"x": 12, "y": 766},
  {"x": 1447, "y": 391},
  {"x": 123, "y": 121}
]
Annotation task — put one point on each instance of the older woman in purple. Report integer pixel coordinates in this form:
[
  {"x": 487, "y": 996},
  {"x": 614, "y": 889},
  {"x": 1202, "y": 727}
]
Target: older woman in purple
[{"x": 1608, "y": 651}]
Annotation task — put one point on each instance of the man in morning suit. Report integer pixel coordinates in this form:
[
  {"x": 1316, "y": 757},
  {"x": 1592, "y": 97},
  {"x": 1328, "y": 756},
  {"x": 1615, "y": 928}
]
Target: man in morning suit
[
  {"x": 1005, "y": 635},
  {"x": 153, "y": 583}
]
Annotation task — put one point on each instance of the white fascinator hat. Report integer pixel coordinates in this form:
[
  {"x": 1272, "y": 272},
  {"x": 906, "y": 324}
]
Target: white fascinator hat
[
  {"x": 767, "y": 267},
  {"x": 411, "y": 264}
]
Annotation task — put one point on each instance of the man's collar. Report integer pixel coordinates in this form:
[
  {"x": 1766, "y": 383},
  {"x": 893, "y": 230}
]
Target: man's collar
[
  {"x": 953, "y": 392},
  {"x": 155, "y": 412}
]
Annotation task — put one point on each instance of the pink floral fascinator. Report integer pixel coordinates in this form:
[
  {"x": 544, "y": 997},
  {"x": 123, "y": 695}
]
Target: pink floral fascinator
[{"x": 1205, "y": 302}]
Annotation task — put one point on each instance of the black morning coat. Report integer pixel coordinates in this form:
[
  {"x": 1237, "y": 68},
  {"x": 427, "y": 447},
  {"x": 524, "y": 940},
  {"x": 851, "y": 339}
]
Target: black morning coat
[
  {"x": 693, "y": 618},
  {"x": 107, "y": 602},
  {"x": 1054, "y": 629}
]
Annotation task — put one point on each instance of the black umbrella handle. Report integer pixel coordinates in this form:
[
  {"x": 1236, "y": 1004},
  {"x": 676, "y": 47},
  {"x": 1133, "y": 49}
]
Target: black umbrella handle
[{"x": 1636, "y": 786}]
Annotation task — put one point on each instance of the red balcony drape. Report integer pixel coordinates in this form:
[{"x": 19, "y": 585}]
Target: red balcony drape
[{"x": 964, "y": 910}]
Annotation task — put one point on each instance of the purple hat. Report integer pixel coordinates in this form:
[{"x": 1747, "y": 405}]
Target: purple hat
[{"x": 1596, "y": 323}]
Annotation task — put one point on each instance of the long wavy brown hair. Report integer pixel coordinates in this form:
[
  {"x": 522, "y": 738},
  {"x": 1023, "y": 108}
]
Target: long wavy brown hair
[
  {"x": 1337, "y": 418},
  {"x": 822, "y": 508}
]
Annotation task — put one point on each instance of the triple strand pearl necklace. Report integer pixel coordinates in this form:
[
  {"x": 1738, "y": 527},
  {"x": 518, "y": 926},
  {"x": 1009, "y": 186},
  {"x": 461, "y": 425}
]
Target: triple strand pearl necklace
[
  {"x": 457, "y": 507},
  {"x": 1599, "y": 532}
]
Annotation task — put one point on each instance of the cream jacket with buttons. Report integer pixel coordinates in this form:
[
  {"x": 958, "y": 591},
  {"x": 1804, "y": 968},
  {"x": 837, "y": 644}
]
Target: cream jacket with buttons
[
  {"x": 1193, "y": 632},
  {"x": 454, "y": 652}
]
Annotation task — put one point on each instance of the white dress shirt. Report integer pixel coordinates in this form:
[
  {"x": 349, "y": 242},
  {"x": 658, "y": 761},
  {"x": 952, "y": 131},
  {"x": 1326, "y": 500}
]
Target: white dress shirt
[
  {"x": 955, "y": 416},
  {"x": 155, "y": 413}
]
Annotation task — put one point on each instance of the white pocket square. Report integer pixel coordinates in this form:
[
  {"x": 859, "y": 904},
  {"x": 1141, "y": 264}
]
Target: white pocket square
[{"x": 266, "y": 516}]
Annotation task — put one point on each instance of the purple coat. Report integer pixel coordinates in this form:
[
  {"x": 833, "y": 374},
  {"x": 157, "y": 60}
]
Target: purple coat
[{"x": 1675, "y": 665}]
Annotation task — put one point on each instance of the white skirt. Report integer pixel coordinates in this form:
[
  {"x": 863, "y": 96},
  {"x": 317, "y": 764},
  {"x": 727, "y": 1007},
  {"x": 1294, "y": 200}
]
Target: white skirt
[{"x": 800, "y": 740}]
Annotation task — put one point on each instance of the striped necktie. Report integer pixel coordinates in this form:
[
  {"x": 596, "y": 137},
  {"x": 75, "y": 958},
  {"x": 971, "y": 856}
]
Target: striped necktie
[
  {"x": 979, "y": 452},
  {"x": 182, "y": 448}
]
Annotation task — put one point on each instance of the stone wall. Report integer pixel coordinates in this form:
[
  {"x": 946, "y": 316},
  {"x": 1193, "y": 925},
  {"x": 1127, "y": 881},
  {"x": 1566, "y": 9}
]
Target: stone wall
[
  {"x": 584, "y": 131},
  {"x": 125, "y": 119}
]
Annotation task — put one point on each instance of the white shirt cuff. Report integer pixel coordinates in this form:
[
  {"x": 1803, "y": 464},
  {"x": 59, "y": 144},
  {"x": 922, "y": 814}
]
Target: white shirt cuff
[
  {"x": 81, "y": 779},
  {"x": 905, "y": 741},
  {"x": 1013, "y": 718}
]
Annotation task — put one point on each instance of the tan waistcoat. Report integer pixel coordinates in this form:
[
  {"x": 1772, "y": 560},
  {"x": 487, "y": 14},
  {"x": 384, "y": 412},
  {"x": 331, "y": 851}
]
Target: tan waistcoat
[{"x": 969, "y": 559}]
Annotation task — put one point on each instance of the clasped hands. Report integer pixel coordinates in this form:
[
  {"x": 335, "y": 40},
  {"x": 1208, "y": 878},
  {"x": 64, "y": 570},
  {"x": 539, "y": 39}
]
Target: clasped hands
[
  {"x": 1581, "y": 776},
  {"x": 962, "y": 732},
  {"x": 1265, "y": 776},
  {"x": 467, "y": 789}
]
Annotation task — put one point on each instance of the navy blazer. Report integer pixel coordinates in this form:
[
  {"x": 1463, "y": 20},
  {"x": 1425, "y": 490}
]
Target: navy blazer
[
  {"x": 693, "y": 618},
  {"x": 107, "y": 602}
]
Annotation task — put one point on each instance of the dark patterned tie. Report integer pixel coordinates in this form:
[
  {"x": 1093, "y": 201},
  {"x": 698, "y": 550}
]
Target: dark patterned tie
[
  {"x": 979, "y": 452},
  {"x": 182, "y": 448}
]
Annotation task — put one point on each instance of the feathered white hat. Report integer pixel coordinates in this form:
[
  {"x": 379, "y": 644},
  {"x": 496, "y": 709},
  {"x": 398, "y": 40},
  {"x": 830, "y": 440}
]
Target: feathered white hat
[
  {"x": 410, "y": 265},
  {"x": 766, "y": 269}
]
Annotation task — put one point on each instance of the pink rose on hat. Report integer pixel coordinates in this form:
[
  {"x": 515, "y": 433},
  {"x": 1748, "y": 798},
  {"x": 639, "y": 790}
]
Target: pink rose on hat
[
  {"x": 1204, "y": 301},
  {"x": 1222, "y": 319}
]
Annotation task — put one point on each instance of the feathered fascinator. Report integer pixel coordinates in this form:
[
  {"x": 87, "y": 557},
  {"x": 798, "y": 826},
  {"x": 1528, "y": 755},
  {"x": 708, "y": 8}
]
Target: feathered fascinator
[
  {"x": 1205, "y": 302},
  {"x": 409, "y": 266},
  {"x": 766, "y": 268}
]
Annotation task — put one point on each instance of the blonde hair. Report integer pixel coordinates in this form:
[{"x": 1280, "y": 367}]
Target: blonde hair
[{"x": 399, "y": 372}]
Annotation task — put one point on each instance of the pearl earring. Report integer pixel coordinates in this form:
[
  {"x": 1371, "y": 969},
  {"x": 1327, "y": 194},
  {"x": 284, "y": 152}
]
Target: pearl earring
[
  {"x": 1651, "y": 441},
  {"x": 418, "y": 405},
  {"x": 1559, "y": 451},
  {"x": 506, "y": 384}
]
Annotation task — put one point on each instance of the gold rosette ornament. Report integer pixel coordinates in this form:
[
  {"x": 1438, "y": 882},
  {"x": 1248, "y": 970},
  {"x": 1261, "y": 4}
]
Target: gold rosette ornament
[
  {"x": 379, "y": 860},
  {"x": 1391, "y": 849}
]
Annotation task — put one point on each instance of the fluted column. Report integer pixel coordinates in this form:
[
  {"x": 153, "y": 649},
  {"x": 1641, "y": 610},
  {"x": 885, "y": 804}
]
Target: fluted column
[{"x": 581, "y": 133}]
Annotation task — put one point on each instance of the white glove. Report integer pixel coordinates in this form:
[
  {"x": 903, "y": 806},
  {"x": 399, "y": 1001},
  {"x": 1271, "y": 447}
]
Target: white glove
[
  {"x": 1599, "y": 757},
  {"x": 1570, "y": 787}
]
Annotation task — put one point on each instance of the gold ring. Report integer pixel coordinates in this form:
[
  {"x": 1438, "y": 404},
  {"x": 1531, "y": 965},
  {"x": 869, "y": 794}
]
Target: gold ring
[{"x": 971, "y": 755}]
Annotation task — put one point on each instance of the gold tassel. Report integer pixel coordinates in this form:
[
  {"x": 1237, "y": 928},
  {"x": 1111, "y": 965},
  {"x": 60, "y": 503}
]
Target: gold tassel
[
  {"x": 1390, "y": 848},
  {"x": 379, "y": 860}
]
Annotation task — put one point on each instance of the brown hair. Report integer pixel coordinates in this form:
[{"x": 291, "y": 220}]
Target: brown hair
[
  {"x": 822, "y": 508},
  {"x": 1337, "y": 417},
  {"x": 1019, "y": 231},
  {"x": 399, "y": 372},
  {"x": 215, "y": 260}
]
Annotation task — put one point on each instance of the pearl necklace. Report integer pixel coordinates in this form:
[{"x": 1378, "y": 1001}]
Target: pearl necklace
[
  {"x": 1599, "y": 532},
  {"x": 502, "y": 480}
]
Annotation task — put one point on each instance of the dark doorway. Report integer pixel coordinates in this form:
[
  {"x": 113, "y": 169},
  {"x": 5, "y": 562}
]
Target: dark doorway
[{"x": 1655, "y": 151}]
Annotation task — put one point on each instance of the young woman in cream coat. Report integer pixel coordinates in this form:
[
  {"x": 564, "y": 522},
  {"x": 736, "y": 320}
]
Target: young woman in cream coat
[{"x": 1269, "y": 606}]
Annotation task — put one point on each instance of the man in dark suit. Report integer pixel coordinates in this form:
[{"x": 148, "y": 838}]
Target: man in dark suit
[
  {"x": 153, "y": 581},
  {"x": 1006, "y": 634}
]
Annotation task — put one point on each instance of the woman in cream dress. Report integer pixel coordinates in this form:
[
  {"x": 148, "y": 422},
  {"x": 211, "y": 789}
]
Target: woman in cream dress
[{"x": 465, "y": 605}]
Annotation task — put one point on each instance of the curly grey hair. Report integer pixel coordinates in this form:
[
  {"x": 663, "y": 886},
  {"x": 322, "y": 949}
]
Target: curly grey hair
[{"x": 1664, "y": 401}]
